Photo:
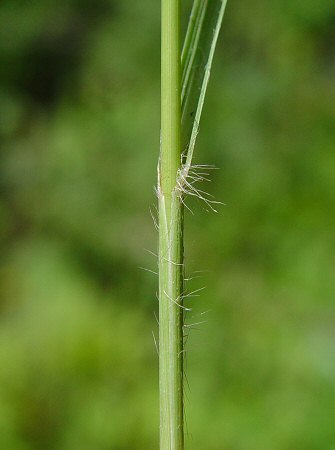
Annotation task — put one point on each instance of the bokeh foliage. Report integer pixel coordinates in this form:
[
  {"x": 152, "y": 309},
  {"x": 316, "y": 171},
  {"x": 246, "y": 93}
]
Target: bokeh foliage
[{"x": 79, "y": 108}]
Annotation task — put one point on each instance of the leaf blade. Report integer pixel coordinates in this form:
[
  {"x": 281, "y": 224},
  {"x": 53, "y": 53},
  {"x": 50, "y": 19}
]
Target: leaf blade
[{"x": 197, "y": 58}]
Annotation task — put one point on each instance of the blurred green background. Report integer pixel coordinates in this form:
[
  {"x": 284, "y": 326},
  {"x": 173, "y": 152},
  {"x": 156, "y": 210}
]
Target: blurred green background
[{"x": 79, "y": 107}]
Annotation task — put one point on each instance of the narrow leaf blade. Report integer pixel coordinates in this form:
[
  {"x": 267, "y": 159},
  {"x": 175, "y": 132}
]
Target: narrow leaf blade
[{"x": 197, "y": 58}]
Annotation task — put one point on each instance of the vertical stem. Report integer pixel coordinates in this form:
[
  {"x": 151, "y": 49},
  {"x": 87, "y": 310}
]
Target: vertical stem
[
  {"x": 170, "y": 237},
  {"x": 170, "y": 94}
]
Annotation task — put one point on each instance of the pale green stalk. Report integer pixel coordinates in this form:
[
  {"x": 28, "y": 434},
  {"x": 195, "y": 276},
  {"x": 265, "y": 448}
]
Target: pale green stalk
[
  {"x": 170, "y": 236},
  {"x": 184, "y": 81}
]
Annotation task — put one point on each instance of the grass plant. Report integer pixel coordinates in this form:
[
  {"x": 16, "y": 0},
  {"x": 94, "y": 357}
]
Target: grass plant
[{"x": 184, "y": 79}]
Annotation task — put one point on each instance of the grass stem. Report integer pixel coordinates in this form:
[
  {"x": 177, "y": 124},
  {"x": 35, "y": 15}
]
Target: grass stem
[
  {"x": 170, "y": 236},
  {"x": 184, "y": 80}
]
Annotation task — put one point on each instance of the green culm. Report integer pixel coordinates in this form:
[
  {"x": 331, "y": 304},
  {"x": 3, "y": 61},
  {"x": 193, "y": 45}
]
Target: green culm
[{"x": 185, "y": 73}]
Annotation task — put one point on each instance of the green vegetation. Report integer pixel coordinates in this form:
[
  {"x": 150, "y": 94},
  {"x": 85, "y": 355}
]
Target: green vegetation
[
  {"x": 170, "y": 256},
  {"x": 79, "y": 118},
  {"x": 184, "y": 77}
]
